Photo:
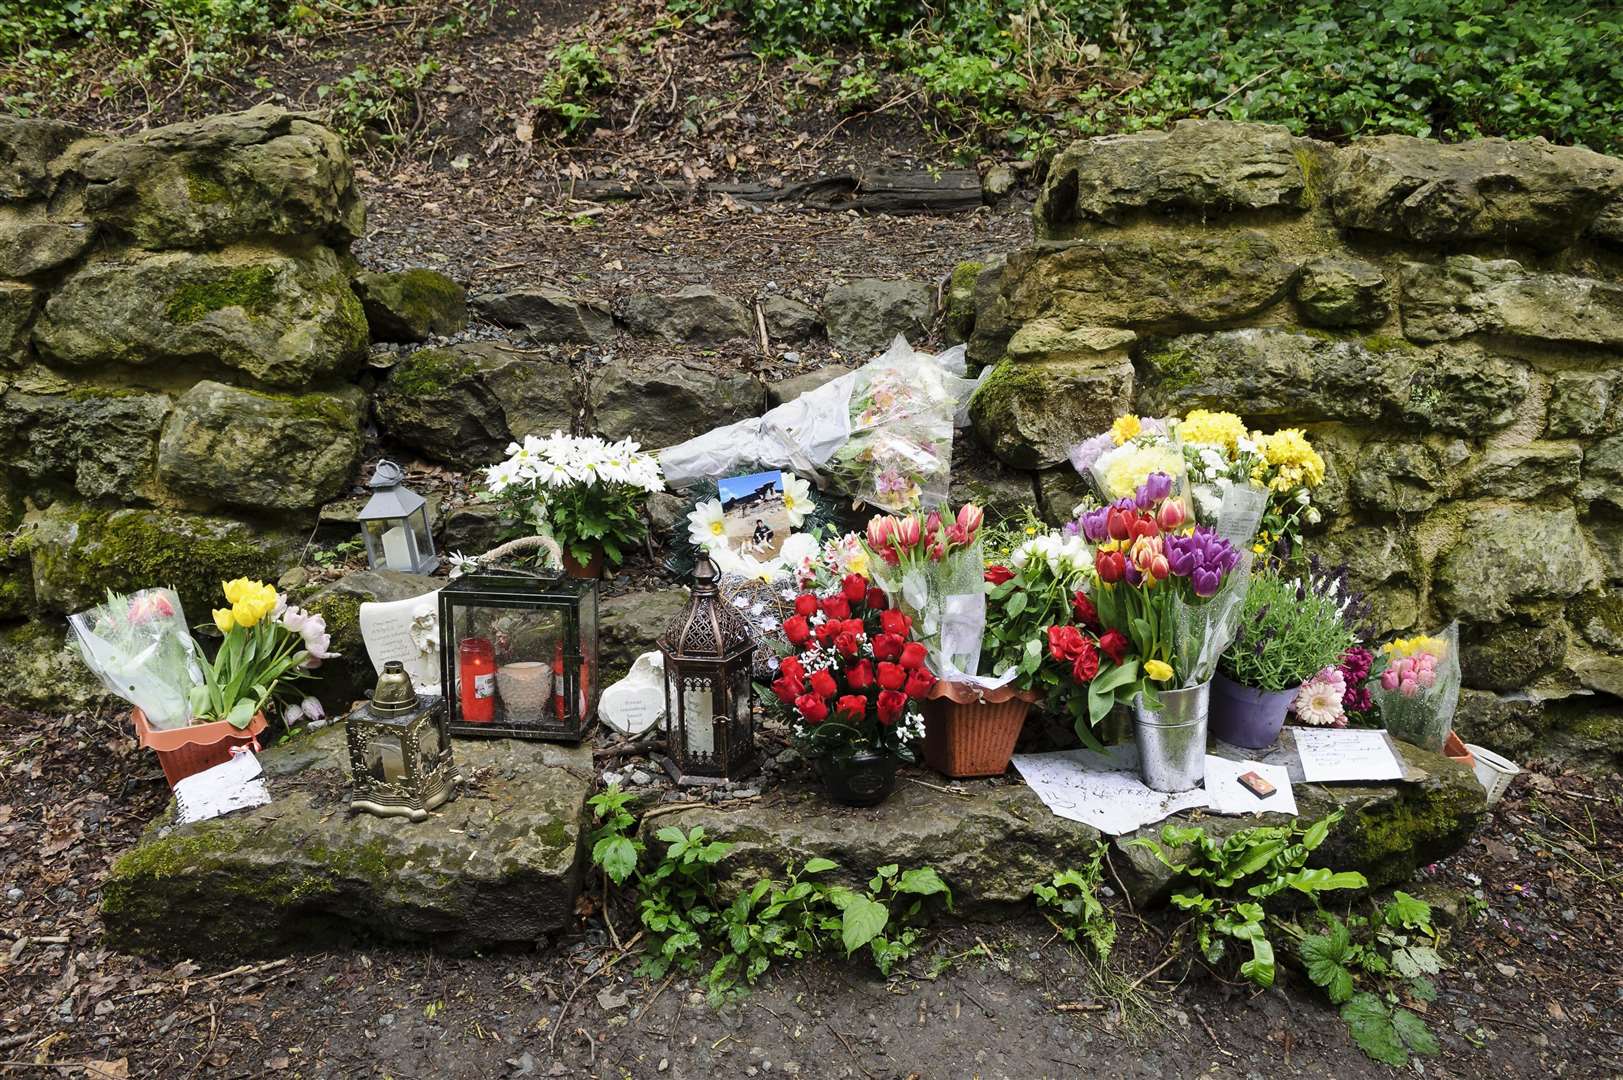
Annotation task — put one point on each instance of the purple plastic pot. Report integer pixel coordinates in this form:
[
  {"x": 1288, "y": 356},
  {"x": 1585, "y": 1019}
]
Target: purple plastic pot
[{"x": 1241, "y": 716}]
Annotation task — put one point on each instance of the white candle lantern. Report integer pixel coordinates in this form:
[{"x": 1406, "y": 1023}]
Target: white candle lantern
[{"x": 395, "y": 525}]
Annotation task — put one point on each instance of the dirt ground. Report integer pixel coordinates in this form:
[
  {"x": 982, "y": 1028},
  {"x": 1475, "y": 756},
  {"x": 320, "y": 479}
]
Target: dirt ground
[{"x": 1534, "y": 985}]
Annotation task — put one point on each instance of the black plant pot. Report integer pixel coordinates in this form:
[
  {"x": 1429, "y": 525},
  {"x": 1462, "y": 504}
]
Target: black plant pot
[{"x": 858, "y": 777}]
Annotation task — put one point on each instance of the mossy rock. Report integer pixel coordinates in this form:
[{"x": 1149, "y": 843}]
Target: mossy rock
[
  {"x": 100, "y": 440},
  {"x": 959, "y": 302},
  {"x": 78, "y": 553},
  {"x": 41, "y": 669},
  {"x": 498, "y": 865},
  {"x": 409, "y": 305},
  {"x": 1030, "y": 414}
]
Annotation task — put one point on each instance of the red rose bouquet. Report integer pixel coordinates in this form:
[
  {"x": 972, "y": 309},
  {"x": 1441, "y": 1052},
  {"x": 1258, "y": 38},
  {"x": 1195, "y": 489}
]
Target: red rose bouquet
[{"x": 853, "y": 672}]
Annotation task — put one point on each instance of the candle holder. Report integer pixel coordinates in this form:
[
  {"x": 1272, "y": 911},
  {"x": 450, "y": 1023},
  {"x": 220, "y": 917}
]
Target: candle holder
[
  {"x": 521, "y": 655},
  {"x": 709, "y": 691},
  {"x": 399, "y": 750}
]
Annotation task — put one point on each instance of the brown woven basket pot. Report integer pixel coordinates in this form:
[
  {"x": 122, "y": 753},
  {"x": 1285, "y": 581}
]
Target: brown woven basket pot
[{"x": 967, "y": 734}]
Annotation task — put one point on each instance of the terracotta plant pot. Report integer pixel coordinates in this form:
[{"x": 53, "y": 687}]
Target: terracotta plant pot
[
  {"x": 1454, "y": 749},
  {"x": 183, "y": 751},
  {"x": 591, "y": 569},
  {"x": 968, "y": 733},
  {"x": 858, "y": 777}
]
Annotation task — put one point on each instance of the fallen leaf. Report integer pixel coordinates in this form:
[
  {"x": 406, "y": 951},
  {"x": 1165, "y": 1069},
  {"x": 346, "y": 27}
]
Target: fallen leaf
[
  {"x": 1556, "y": 1011},
  {"x": 108, "y": 1070}
]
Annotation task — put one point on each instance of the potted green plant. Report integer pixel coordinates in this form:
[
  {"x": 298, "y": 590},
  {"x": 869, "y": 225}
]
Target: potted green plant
[
  {"x": 583, "y": 492},
  {"x": 1292, "y": 628}
]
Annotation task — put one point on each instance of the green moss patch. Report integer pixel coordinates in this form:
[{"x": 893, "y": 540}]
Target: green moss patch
[
  {"x": 252, "y": 288},
  {"x": 429, "y": 371}
]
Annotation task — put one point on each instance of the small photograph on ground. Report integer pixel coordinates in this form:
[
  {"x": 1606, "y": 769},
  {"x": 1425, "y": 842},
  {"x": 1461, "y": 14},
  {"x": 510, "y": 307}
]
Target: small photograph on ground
[{"x": 752, "y": 507}]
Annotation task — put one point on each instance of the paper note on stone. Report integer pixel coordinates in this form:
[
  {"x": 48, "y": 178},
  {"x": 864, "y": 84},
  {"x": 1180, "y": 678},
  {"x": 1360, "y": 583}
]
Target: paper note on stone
[
  {"x": 407, "y": 631},
  {"x": 1331, "y": 754},
  {"x": 637, "y": 702},
  {"x": 1229, "y": 796},
  {"x": 233, "y": 785},
  {"x": 1102, "y": 790}
]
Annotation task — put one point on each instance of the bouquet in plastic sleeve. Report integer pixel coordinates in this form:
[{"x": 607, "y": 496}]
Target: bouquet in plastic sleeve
[
  {"x": 931, "y": 568},
  {"x": 1244, "y": 480},
  {"x": 1120, "y": 460},
  {"x": 881, "y": 434},
  {"x": 1175, "y": 592},
  {"x": 1420, "y": 686},
  {"x": 140, "y": 649}
]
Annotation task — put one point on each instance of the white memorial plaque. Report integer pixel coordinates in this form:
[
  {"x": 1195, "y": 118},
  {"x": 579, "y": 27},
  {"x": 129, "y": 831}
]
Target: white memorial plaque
[
  {"x": 407, "y": 631},
  {"x": 637, "y": 702},
  {"x": 1332, "y": 754}
]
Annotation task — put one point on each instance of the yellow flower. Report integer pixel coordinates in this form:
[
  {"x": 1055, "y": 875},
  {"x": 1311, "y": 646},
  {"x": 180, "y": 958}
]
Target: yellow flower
[
  {"x": 223, "y": 619},
  {"x": 858, "y": 563},
  {"x": 1259, "y": 549},
  {"x": 1125, "y": 470},
  {"x": 1126, "y": 427},
  {"x": 246, "y": 612},
  {"x": 1289, "y": 447},
  {"x": 1420, "y": 643},
  {"x": 1159, "y": 670},
  {"x": 235, "y": 590},
  {"x": 1217, "y": 428}
]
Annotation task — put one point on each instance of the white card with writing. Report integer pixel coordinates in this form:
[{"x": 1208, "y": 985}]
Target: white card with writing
[
  {"x": 407, "y": 631},
  {"x": 1102, "y": 790},
  {"x": 1338, "y": 754},
  {"x": 236, "y": 784},
  {"x": 637, "y": 702}
]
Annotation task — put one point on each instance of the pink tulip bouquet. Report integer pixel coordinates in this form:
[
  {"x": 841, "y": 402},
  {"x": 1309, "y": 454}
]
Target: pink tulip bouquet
[
  {"x": 1419, "y": 687},
  {"x": 931, "y": 567}
]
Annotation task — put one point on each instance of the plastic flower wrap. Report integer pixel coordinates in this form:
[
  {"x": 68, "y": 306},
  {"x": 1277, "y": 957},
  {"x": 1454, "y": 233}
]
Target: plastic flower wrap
[
  {"x": 930, "y": 567},
  {"x": 140, "y": 649},
  {"x": 1420, "y": 687},
  {"x": 1120, "y": 460}
]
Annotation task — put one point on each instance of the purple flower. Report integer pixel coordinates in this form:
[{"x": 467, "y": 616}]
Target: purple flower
[
  {"x": 1205, "y": 582},
  {"x": 1156, "y": 487},
  {"x": 1071, "y": 528},
  {"x": 1093, "y": 524},
  {"x": 1203, "y": 557},
  {"x": 1084, "y": 454}
]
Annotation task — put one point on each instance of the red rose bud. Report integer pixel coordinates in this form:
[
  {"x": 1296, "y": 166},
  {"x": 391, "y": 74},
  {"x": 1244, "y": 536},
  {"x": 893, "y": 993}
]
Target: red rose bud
[
  {"x": 887, "y": 647},
  {"x": 787, "y": 688},
  {"x": 895, "y": 622},
  {"x": 846, "y": 644},
  {"x": 806, "y": 604},
  {"x": 854, "y": 588},
  {"x": 913, "y": 655},
  {"x": 1110, "y": 565},
  {"x": 797, "y": 629},
  {"x": 1086, "y": 665},
  {"x": 919, "y": 683},
  {"x": 891, "y": 676},
  {"x": 1115, "y": 645},
  {"x": 854, "y": 627},
  {"x": 891, "y": 703},
  {"x": 1064, "y": 642},
  {"x": 823, "y": 684},
  {"x": 877, "y": 600},
  {"x": 837, "y": 607},
  {"x": 813, "y": 709},
  {"x": 827, "y": 632},
  {"x": 1086, "y": 613},
  {"x": 852, "y": 707},
  {"x": 791, "y": 665},
  {"x": 997, "y": 575},
  {"x": 860, "y": 675}
]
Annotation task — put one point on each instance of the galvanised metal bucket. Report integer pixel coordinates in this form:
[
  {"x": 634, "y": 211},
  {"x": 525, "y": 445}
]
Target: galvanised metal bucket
[{"x": 1172, "y": 739}]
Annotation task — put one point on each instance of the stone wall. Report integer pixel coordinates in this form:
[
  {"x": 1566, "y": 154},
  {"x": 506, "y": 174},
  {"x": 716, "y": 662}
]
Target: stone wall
[{"x": 1446, "y": 322}]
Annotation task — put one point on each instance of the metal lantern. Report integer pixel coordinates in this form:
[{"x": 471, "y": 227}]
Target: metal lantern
[
  {"x": 395, "y": 523},
  {"x": 709, "y": 692},
  {"x": 399, "y": 750},
  {"x": 518, "y": 654}
]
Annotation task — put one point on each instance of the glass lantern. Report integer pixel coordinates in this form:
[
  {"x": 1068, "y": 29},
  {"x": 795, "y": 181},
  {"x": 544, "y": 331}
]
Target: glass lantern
[
  {"x": 395, "y": 524},
  {"x": 709, "y": 692},
  {"x": 399, "y": 750},
  {"x": 518, "y": 654}
]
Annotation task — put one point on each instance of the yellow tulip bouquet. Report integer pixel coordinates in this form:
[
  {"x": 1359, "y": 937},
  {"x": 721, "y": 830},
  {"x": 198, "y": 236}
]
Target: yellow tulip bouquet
[{"x": 269, "y": 645}]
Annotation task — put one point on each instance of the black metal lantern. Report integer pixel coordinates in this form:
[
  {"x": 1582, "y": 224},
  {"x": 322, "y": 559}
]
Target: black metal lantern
[
  {"x": 399, "y": 750},
  {"x": 395, "y": 525},
  {"x": 709, "y": 692},
  {"x": 518, "y": 654}
]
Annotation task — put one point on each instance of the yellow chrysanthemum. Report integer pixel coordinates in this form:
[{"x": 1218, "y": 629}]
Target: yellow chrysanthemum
[
  {"x": 1159, "y": 670},
  {"x": 858, "y": 563},
  {"x": 1125, "y": 427},
  {"x": 1217, "y": 428},
  {"x": 1126, "y": 470},
  {"x": 1289, "y": 447}
]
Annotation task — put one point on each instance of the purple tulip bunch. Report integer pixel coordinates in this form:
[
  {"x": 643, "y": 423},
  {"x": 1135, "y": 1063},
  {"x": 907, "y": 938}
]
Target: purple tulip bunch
[{"x": 1203, "y": 558}]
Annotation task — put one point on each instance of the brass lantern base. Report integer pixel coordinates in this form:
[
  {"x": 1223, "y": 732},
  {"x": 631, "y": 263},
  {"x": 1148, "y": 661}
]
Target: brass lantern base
[
  {"x": 413, "y": 812},
  {"x": 683, "y": 779}
]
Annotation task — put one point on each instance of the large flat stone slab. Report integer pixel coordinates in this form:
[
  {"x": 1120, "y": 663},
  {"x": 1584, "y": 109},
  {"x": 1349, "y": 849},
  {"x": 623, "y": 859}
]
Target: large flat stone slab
[{"x": 500, "y": 864}]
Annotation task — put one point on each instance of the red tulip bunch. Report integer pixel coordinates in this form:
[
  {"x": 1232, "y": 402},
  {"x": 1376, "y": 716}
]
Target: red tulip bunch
[{"x": 853, "y": 669}]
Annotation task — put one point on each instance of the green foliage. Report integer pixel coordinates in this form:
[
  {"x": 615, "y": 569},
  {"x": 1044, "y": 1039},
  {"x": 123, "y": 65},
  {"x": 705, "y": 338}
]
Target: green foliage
[
  {"x": 578, "y": 76},
  {"x": 1364, "y": 965},
  {"x": 1288, "y": 632},
  {"x": 772, "y": 920},
  {"x": 1071, "y": 902},
  {"x": 1225, "y": 884},
  {"x": 376, "y": 107},
  {"x": 613, "y": 847},
  {"x": 1028, "y": 71}
]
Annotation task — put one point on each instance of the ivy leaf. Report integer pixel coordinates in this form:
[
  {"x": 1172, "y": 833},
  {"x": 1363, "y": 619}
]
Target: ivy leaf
[
  {"x": 862, "y": 922},
  {"x": 1370, "y": 1023}
]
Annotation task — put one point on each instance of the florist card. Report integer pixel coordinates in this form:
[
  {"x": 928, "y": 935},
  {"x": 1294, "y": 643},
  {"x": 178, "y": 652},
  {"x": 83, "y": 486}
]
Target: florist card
[{"x": 754, "y": 514}]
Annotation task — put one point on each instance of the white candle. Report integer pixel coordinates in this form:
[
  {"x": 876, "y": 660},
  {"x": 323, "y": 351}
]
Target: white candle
[
  {"x": 697, "y": 707},
  {"x": 396, "y": 553}
]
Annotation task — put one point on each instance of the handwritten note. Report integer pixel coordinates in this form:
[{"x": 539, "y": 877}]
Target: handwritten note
[
  {"x": 1102, "y": 790},
  {"x": 388, "y": 631},
  {"x": 237, "y": 784},
  {"x": 1331, "y": 754}
]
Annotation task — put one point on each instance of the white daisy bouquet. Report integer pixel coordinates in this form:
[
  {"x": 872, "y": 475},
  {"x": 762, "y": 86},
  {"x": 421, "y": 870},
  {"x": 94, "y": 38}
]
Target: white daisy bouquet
[{"x": 583, "y": 491}]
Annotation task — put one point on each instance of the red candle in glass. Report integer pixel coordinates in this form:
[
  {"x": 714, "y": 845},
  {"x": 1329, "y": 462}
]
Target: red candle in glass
[{"x": 476, "y": 680}]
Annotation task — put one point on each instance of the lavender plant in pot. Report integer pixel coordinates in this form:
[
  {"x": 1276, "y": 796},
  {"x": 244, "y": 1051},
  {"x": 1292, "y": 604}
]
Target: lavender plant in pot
[{"x": 1293, "y": 627}]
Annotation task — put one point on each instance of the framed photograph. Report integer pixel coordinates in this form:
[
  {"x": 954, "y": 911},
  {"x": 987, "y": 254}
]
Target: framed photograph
[{"x": 754, "y": 514}]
